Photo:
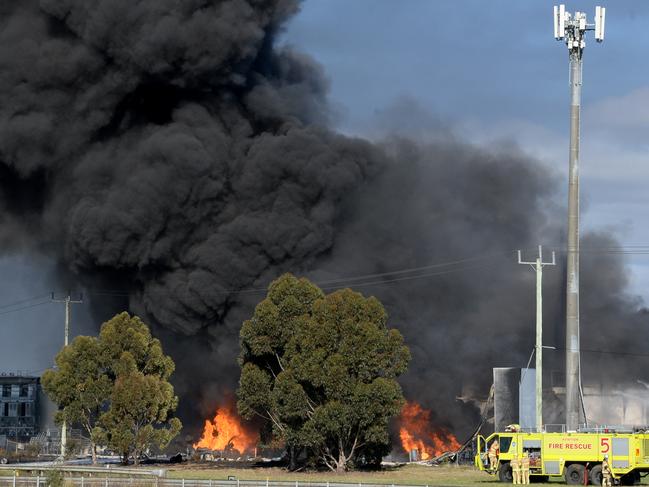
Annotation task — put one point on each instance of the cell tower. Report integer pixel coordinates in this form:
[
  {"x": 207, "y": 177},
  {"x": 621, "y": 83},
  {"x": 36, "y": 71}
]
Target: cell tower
[{"x": 572, "y": 29}]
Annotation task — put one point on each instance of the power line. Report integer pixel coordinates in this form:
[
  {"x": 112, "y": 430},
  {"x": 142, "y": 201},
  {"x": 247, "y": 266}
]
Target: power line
[
  {"x": 608, "y": 352},
  {"x": 24, "y": 308},
  {"x": 351, "y": 280},
  {"x": 417, "y": 269},
  {"x": 391, "y": 276},
  {"x": 335, "y": 283},
  {"x": 625, "y": 250},
  {"x": 22, "y": 301},
  {"x": 408, "y": 278}
]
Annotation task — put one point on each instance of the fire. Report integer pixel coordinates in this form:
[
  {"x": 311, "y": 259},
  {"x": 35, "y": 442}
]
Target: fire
[
  {"x": 417, "y": 433},
  {"x": 225, "y": 432}
]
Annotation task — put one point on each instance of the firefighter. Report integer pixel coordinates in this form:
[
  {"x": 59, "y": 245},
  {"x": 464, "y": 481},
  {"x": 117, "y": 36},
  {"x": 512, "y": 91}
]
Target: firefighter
[
  {"x": 525, "y": 469},
  {"x": 494, "y": 451},
  {"x": 516, "y": 469},
  {"x": 606, "y": 472}
]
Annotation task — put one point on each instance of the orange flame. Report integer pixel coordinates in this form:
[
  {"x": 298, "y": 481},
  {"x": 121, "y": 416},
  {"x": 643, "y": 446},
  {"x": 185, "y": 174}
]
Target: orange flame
[
  {"x": 225, "y": 432},
  {"x": 417, "y": 433}
]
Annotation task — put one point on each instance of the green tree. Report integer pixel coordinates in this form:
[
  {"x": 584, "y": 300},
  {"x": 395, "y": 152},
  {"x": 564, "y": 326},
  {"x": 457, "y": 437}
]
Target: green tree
[
  {"x": 322, "y": 369},
  {"x": 117, "y": 387},
  {"x": 127, "y": 344},
  {"x": 80, "y": 386},
  {"x": 140, "y": 414}
]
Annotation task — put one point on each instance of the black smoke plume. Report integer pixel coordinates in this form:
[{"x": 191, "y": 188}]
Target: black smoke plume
[{"x": 171, "y": 159}]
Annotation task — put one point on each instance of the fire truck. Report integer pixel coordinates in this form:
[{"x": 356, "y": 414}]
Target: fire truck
[{"x": 576, "y": 456}]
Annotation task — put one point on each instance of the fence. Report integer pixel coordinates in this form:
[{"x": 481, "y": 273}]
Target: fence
[{"x": 98, "y": 481}]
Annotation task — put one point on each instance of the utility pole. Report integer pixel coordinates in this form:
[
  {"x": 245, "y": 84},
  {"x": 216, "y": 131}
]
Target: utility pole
[
  {"x": 66, "y": 333},
  {"x": 538, "y": 268},
  {"x": 572, "y": 29}
]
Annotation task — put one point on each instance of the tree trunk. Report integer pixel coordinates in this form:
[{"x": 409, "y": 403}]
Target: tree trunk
[
  {"x": 292, "y": 458},
  {"x": 341, "y": 464},
  {"x": 93, "y": 451}
]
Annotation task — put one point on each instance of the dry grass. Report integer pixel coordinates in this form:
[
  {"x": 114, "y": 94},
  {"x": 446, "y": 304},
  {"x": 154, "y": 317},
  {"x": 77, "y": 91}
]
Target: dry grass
[{"x": 411, "y": 474}]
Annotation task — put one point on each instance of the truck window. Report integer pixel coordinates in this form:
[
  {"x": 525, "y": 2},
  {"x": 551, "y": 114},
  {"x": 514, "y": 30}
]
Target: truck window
[{"x": 505, "y": 442}]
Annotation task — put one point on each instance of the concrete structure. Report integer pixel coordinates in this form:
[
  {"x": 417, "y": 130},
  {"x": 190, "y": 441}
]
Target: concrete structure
[
  {"x": 505, "y": 396},
  {"x": 572, "y": 28},
  {"x": 514, "y": 397},
  {"x": 616, "y": 406},
  {"x": 528, "y": 392}
]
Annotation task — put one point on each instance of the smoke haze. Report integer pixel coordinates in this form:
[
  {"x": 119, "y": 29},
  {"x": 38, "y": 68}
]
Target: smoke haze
[{"x": 169, "y": 158}]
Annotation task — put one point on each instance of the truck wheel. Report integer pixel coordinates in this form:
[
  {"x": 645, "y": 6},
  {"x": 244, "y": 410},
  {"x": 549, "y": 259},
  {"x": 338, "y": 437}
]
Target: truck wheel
[
  {"x": 596, "y": 475},
  {"x": 575, "y": 474},
  {"x": 632, "y": 478},
  {"x": 505, "y": 473}
]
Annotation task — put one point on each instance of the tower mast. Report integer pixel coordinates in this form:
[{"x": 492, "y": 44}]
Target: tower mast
[{"x": 572, "y": 28}]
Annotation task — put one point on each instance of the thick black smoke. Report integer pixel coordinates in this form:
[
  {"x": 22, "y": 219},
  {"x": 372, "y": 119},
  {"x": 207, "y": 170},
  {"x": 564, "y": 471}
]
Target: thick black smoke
[
  {"x": 470, "y": 208},
  {"x": 165, "y": 151}
]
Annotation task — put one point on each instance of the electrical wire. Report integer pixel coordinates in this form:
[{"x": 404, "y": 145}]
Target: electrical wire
[
  {"x": 483, "y": 419},
  {"x": 327, "y": 284},
  {"x": 581, "y": 389},
  {"x": 409, "y": 278},
  {"x": 342, "y": 283},
  {"x": 392, "y": 276},
  {"x": 416, "y": 269},
  {"x": 623, "y": 250},
  {"x": 351, "y": 280},
  {"x": 24, "y": 307},
  {"x": 609, "y": 352},
  {"x": 374, "y": 279},
  {"x": 527, "y": 367},
  {"x": 23, "y": 301}
]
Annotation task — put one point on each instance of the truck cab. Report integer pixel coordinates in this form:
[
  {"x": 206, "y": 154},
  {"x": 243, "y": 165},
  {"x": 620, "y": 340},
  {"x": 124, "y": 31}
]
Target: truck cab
[{"x": 506, "y": 442}]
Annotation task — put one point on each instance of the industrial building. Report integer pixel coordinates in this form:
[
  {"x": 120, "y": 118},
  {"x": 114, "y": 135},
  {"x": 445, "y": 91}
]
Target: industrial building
[
  {"x": 25, "y": 409},
  {"x": 514, "y": 390},
  {"x": 19, "y": 405},
  {"x": 27, "y": 415}
]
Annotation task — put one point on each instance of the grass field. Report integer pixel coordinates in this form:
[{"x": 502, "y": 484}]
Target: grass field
[{"x": 408, "y": 474}]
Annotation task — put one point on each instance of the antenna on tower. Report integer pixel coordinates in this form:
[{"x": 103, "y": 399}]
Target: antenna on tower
[
  {"x": 559, "y": 22},
  {"x": 572, "y": 29},
  {"x": 600, "y": 18}
]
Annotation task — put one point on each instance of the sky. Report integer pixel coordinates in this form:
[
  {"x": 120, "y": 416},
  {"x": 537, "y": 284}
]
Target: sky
[
  {"x": 26, "y": 287},
  {"x": 493, "y": 73},
  {"x": 490, "y": 72}
]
